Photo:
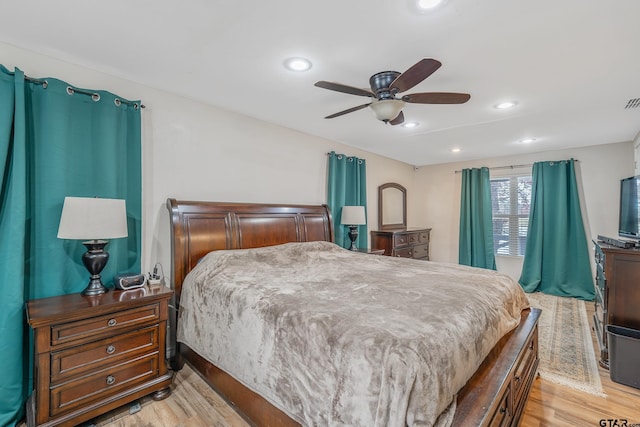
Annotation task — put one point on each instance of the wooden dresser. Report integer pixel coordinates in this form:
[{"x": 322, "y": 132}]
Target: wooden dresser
[
  {"x": 617, "y": 300},
  {"x": 94, "y": 354},
  {"x": 404, "y": 242}
]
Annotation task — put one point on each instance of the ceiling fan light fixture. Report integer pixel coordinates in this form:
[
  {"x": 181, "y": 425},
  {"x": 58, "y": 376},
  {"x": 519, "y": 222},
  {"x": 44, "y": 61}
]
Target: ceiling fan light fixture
[
  {"x": 410, "y": 125},
  {"x": 386, "y": 109}
]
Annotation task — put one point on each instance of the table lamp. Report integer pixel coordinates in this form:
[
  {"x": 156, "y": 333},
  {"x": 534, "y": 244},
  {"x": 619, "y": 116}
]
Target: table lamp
[
  {"x": 353, "y": 216},
  {"x": 94, "y": 220}
]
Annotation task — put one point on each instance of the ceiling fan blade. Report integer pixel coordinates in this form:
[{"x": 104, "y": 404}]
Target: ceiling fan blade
[
  {"x": 399, "y": 119},
  {"x": 344, "y": 88},
  {"x": 350, "y": 110},
  {"x": 437, "y": 98},
  {"x": 414, "y": 75}
]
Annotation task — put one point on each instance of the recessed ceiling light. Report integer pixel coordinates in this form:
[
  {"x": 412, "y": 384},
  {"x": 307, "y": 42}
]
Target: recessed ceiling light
[
  {"x": 428, "y": 4},
  {"x": 527, "y": 140},
  {"x": 410, "y": 125},
  {"x": 505, "y": 105},
  {"x": 455, "y": 150},
  {"x": 297, "y": 64}
]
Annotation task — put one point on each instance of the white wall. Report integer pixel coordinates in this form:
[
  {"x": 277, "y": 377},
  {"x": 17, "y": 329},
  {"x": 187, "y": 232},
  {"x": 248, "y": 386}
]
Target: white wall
[
  {"x": 599, "y": 171},
  {"x": 193, "y": 151},
  {"x": 196, "y": 151}
]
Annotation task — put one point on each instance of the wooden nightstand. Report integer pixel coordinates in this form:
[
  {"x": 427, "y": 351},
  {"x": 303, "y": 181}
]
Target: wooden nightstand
[{"x": 94, "y": 354}]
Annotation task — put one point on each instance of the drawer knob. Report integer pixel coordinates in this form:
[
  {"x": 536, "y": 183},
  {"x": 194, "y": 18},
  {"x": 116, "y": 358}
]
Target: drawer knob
[
  {"x": 517, "y": 378},
  {"x": 112, "y": 322},
  {"x": 111, "y": 380},
  {"x": 111, "y": 349},
  {"x": 503, "y": 410}
]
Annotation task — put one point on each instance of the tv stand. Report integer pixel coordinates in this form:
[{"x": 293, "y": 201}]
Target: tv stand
[
  {"x": 617, "y": 292},
  {"x": 618, "y": 243}
]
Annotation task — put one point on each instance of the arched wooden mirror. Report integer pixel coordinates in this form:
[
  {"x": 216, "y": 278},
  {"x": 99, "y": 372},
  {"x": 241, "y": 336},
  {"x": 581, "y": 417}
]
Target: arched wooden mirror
[{"x": 392, "y": 206}]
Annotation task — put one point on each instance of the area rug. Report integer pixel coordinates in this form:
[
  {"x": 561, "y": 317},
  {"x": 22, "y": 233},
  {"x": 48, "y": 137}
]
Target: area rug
[{"x": 565, "y": 343}]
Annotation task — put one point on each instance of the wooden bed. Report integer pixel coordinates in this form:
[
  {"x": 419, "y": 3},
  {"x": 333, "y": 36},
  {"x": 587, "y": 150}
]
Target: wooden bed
[{"x": 494, "y": 396}]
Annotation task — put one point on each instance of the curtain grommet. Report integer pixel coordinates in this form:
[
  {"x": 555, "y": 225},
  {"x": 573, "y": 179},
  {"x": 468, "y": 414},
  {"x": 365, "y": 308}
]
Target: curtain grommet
[
  {"x": 117, "y": 102},
  {"x": 70, "y": 90},
  {"x": 95, "y": 97}
]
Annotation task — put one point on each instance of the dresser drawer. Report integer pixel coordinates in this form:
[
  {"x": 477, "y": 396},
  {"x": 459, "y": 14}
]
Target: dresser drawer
[
  {"x": 404, "y": 252},
  {"x": 413, "y": 238},
  {"x": 599, "y": 256},
  {"x": 105, "y": 325},
  {"x": 601, "y": 280},
  {"x": 599, "y": 298},
  {"x": 90, "y": 357},
  {"x": 400, "y": 240},
  {"x": 423, "y": 237},
  {"x": 421, "y": 251},
  {"x": 105, "y": 383},
  {"x": 600, "y": 313}
]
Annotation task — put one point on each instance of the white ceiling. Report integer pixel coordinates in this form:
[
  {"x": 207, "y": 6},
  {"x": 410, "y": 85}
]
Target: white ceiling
[{"x": 572, "y": 65}]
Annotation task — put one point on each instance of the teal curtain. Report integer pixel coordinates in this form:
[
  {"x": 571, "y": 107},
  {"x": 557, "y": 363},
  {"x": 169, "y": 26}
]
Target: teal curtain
[
  {"x": 13, "y": 245},
  {"x": 476, "y": 225},
  {"x": 56, "y": 142},
  {"x": 347, "y": 186},
  {"x": 556, "y": 259}
]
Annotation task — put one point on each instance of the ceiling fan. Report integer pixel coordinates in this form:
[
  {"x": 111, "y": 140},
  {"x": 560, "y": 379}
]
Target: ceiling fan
[{"x": 386, "y": 85}]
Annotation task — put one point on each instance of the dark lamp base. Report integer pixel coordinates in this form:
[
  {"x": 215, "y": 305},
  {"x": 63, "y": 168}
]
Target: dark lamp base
[
  {"x": 95, "y": 260},
  {"x": 353, "y": 235}
]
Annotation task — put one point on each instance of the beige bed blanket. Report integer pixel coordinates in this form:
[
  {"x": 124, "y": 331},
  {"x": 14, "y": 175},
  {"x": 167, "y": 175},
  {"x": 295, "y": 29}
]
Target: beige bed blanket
[{"x": 338, "y": 338}]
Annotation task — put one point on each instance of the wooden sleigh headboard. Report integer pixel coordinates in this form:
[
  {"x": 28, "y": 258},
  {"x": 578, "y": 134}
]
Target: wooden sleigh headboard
[{"x": 198, "y": 228}]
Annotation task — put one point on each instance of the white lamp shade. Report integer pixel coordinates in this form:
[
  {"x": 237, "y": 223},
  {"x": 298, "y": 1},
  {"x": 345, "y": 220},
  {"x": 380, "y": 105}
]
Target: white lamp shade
[
  {"x": 386, "y": 109},
  {"x": 353, "y": 215},
  {"x": 91, "y": 218}
]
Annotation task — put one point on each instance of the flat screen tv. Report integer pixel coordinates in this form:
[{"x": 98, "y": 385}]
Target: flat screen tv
[{"x": 629, "y": 223}]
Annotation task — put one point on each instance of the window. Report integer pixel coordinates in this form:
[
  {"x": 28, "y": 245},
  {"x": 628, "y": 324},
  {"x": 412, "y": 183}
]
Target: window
[{"x": 510, "y": 201}]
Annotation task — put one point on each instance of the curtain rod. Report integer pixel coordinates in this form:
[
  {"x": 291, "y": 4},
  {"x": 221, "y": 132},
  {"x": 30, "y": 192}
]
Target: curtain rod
[
  {"x": 510, "y": 166},
  {"x": 72, "y": 90}
]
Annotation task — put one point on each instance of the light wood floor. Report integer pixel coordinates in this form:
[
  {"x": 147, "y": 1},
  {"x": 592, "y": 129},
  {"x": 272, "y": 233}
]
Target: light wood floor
[{"x": 193, "y": 403}]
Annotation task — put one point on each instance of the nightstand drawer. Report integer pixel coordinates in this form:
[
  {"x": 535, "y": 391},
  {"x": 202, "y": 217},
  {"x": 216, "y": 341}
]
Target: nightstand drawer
[
  {"x": 423, "y": 237},
  {"x": 106, "y": 325},
  {"x": 102, "y": 384},
  {"x": 77, "y": 360}
]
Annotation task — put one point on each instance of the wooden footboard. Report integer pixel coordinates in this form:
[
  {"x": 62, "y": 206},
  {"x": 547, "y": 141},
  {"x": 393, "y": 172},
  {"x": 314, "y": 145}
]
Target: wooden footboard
[{"x": 498, "y": 391}]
